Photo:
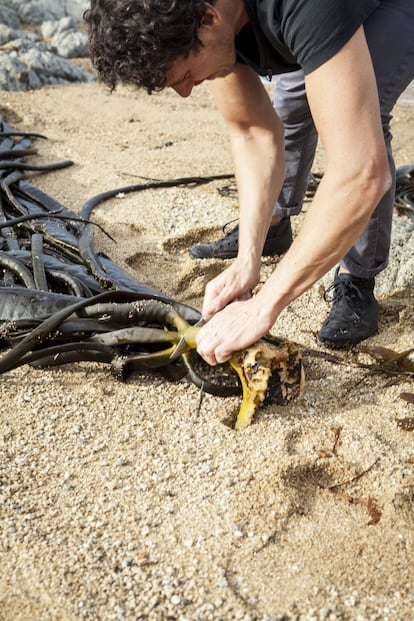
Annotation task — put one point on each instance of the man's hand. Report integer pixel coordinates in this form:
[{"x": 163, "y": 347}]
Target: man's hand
[
  {"x": 232, "y": 329},
  {"x": 234, "y": 284}
]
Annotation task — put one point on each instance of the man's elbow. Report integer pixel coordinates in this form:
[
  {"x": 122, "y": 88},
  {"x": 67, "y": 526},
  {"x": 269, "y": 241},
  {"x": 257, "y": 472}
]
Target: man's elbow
[
  {"x": 366, "y": 184},
  {"x": 376, "y": 181}
]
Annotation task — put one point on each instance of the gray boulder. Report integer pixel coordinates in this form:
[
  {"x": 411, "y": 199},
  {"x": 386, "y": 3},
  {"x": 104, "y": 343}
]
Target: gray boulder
[
  {"x": 6, "y": 34},
  {"x": 9, "y": 16},
  {"x": 35, "y": 12},
  {"x": 51, "y": 27},
  {"x": 16, "y": 75},
  {"x": 52, "y": 69},
  {"x": 399, "y": 273},
  {"x": 23, "y": 40},
  {"x": 70, "y": 44},
  {"x": 30, "y": 67},
  {"x": 35, "y": 56},
  {"x": 76, "y": 8}
]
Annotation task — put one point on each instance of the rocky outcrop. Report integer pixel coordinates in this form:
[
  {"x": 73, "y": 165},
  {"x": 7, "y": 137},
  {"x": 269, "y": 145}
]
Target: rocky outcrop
[{"x": 37, "y": 41}]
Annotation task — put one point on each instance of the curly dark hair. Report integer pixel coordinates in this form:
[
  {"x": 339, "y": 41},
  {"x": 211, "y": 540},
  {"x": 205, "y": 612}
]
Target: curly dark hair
[{"x": 135, "y": 41}]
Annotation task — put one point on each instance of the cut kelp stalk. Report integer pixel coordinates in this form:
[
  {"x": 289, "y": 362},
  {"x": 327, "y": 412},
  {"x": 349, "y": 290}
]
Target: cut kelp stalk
[{"x": 270, "y": 372}]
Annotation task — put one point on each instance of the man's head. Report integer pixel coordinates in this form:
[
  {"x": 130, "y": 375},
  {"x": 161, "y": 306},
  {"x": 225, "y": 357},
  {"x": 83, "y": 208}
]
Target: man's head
[{"x": 136, "y": 41}]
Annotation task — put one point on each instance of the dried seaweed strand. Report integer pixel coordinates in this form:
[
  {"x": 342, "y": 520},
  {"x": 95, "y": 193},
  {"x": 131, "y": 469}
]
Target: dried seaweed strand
[{"x": 370, "y": 503}]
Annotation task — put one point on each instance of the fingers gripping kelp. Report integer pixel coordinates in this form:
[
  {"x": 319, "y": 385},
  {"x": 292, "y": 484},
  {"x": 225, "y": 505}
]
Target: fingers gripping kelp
[{"x": 61, "y": 301}]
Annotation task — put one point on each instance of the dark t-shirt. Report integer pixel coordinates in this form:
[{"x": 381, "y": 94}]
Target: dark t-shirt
[{"x": 284, "y": 35}]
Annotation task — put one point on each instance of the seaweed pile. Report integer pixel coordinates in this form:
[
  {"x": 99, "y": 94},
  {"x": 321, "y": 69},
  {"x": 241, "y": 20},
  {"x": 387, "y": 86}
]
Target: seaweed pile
[
  {"x": 61, "y": 301},
  {"x": 48, "y": 265}
]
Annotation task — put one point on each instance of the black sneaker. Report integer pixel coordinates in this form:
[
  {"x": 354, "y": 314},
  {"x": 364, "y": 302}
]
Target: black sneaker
[
  {"x": 354, "y": 312},
  {"x": 278, "y": 241}
]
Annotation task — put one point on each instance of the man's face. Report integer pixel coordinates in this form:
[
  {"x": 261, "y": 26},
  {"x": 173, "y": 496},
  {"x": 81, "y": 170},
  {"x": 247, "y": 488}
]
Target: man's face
[{"x": 215, "y": 59}]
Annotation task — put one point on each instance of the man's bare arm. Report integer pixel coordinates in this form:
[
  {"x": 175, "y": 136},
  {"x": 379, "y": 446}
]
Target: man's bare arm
[
  {"x": 256, "y": 136},
  {"x": 343, "y": 98}
]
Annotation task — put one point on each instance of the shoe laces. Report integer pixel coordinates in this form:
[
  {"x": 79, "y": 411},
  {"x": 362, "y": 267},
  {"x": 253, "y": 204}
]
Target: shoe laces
[
  {"x": 345, "y": 294},
  {"x": 224, "y": 228}
]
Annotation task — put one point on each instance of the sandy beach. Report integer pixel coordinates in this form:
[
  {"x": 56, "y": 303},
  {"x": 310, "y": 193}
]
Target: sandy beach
[{"x": 138, "y": 500}]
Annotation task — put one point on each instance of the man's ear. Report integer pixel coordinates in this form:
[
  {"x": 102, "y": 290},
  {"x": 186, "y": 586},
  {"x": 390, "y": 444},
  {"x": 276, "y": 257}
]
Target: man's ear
[{"x": 211, "y": 18}]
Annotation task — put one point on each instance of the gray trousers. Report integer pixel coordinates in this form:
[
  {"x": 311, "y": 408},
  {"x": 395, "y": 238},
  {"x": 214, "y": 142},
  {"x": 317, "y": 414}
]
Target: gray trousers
[{"x": 390, "y": 35}]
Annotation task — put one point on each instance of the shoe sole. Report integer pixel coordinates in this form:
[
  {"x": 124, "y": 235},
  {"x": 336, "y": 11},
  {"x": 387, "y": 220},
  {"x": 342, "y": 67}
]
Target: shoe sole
[{"x": 344, "y": 344}]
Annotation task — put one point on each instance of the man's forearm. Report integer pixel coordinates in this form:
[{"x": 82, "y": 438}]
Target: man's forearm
[
  {"x": 258, "y": 157},
  {"x": 257, "y": 142},
  {"x": 334, "y": 221}
]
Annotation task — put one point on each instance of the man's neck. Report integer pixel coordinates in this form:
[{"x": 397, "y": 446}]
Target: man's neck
[{"x": 234, "y": 10}]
